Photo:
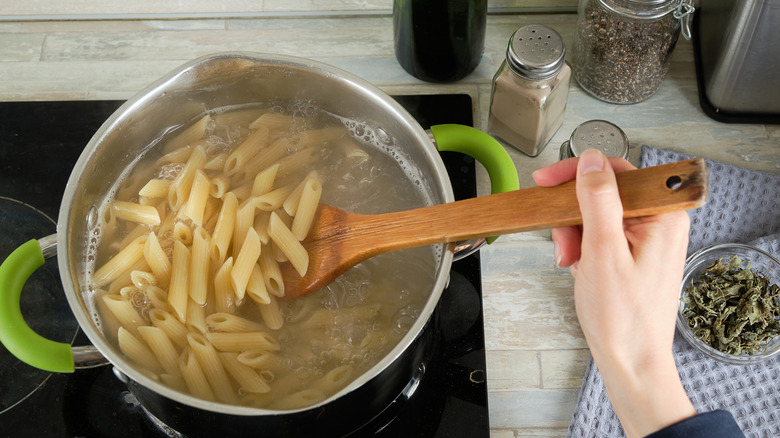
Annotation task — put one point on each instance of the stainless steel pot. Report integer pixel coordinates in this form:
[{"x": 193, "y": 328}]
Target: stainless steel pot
[{"x": 208, "y": 83}]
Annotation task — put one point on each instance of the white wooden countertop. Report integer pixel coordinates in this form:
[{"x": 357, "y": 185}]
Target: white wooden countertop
[{"x": 536, "y": 353}]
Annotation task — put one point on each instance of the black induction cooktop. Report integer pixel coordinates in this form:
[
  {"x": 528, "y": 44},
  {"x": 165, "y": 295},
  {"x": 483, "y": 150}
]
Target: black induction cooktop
[{"x": 39, "y": 144}]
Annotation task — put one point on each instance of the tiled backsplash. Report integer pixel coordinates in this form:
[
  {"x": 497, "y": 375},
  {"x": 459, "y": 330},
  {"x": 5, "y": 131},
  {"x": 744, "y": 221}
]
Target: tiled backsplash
[{"x": 58, "y": 9}]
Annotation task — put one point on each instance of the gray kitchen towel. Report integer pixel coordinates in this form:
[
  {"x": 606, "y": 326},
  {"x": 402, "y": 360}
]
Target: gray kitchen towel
[{"x": 743, "y": 206}]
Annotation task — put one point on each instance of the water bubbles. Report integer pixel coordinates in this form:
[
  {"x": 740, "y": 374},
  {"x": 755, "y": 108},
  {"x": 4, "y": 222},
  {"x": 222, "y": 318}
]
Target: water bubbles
[
  {"x": 170, "y": 171},
  {"x": 405, "y": 318},
  {"x": 303, "y": 373},
  {"x": 383, "y": 137}
]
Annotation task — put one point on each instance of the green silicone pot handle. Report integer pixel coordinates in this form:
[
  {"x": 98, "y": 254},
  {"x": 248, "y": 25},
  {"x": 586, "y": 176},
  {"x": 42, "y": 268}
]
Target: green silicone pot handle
[
  {"x": 15, "y": 334},
  {"x": 483, "y": 148}
]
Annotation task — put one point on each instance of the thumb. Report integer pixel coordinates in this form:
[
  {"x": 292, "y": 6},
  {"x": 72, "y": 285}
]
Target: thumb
[{"x": 602, "y": 211}]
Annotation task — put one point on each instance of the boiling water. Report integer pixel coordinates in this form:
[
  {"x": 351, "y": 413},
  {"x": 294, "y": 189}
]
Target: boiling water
[{"x": 338, "y": 333}]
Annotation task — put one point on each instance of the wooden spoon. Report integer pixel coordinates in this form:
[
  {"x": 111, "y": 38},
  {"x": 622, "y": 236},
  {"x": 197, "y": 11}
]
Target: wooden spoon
[{"x": 339, "y": 239}]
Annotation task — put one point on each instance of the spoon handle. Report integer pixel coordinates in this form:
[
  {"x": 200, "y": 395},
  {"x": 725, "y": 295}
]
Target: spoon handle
[{"x": 643, "y": 192}]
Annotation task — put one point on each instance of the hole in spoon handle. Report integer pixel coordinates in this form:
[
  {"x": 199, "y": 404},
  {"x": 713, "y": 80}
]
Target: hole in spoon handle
[{"x": 674, "y": 182}]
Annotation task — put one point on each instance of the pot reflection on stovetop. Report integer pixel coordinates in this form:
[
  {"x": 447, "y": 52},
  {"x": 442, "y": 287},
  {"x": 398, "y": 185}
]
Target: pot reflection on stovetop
[{"x": 40, "y": 142}]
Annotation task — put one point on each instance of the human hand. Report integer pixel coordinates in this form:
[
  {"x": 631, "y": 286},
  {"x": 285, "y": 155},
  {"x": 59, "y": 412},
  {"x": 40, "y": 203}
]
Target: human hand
[{"x": 627, "y": 276}]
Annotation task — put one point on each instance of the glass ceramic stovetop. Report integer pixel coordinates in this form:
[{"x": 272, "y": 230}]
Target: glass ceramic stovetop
[{"x": 39, "y": 144}]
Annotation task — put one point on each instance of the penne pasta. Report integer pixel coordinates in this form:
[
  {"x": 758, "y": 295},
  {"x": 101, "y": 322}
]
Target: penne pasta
[
  {"x": 138, "y": 231},
  {"x": 245, "y": 262},
  {"x": 108, "y": 323},
  {"x": 120, "y": 263},
  {"x": 353, "y": 151},
  {"x": 264, "y": 181},
  {"x": 157, "y": 259},
  {"x": 196, "y": 201},
  {"x": 245, "y": 219},
  {"x": 247, "y": 378},
  {"x": 306, "y": 397},
  {"x": 124, "y": 279},
  {"x": 242, "y": 192},
  {"x": 155, "y": 188},
  {"x": 261, "y": 226},
  {"x": 230, "y": 323},
  {"x": 123, "y": 311},
  {"x": 178, "y": 155},
  {"x": 257, "y": 358},
  {"x": 189, "y": 135},
  {"x": 333, "y": 380},
  {"x": 196, "y": 316},
  {"x": 175, "y": 381},
  {"x": 312, "y": 137},
  {"x": 219, "y": 187},
  {"x": 297, "y": 162},
  {"x": 288, "y": 244},
  {"x": 290, "y": 204},
  {"x": 237, "y": 342},
  {"x": 162, "y": 347},
  {"x": 194, "y": 377},
  {"x": 178, "y": 293},
  {"x": 272, "y": 275},
  {"x": 264, "y": 159},
  {"x": 272, "y": 315},
  {"x": 173, "y": 328},
  {"x": 223, "y": 288},
  {"x": 182, "y": 233},
  {"x": 223, "y": 232},
  {"x": 307, "y": 207},
  {"x": 142, "y": 280},
  {"x": 241, "y": 155},
  {"x": 137, "y": 351},
  {"x": 212, "y": 367},
  {"x": 255, "y": 288},
  {"x": 216, "y": 163},
  {"x": 158, "y": 297},
  {"x": 238, "y": 117},
  {"x": 273, "y": 121},
  {"x": 199, "y": 266},
  {"x": 272, "y": 200},
  {"x": 211, "y": 215},
  {"x": 180, "y": 187}
]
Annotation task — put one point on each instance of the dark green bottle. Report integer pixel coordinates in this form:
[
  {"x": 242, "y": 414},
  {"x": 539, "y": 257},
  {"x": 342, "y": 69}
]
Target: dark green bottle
[{"x": 439, "y": 40}]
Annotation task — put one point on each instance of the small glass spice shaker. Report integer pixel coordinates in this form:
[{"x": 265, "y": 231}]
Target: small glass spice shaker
[
  {"x": 596, "y": 134},
  {"x": 622, "y": 48},
  {"x": 530, "y": 90}
]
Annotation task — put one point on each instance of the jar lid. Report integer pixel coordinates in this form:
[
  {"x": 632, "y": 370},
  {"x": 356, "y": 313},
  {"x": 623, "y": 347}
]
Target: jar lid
[
  {"x": 596, "y": 134},
  {"x": 641, "y": 9},
  {"x": 535, "y": 52}
]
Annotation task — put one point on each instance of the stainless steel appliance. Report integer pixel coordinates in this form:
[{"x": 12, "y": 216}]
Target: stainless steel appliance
[{"x": 737, "y": 48}]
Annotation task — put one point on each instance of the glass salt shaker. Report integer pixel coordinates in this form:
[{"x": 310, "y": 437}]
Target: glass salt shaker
[
  {"x": 622, "y": 48},
  {"x": 596, "y": 134},
  {"x": 530, "y": 90}
]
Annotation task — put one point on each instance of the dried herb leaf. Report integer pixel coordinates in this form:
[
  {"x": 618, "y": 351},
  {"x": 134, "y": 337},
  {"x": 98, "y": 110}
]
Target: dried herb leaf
[{"x": 733, "y": 309}]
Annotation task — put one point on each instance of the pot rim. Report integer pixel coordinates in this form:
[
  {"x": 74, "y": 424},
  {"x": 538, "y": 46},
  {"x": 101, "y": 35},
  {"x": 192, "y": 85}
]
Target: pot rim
[{"x": 154, "y": 90}]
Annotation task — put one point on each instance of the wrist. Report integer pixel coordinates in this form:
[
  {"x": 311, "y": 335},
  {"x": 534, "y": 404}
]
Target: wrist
[{"x": 646, "y": 396}]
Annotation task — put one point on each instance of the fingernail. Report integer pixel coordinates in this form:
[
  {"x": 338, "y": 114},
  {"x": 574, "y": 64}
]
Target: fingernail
[
  {"x": 591, "y": 161},
  {"x": 557, "y": 254}
]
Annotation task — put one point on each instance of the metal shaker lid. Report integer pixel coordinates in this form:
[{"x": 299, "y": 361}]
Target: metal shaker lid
[
  {"x": 535, "y": 52},
  {"x": 596, "y": 134}
]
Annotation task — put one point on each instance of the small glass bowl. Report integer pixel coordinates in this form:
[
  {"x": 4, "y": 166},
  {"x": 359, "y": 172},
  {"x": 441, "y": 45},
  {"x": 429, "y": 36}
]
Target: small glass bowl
[{"x": 760, "y": 260}]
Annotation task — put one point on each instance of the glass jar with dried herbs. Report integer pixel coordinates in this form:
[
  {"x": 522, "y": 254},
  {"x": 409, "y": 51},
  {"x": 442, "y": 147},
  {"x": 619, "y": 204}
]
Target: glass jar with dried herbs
[{"x": 622, "y": 48}]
